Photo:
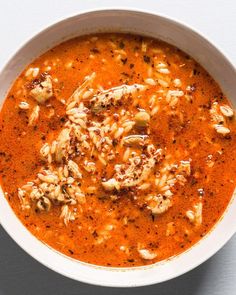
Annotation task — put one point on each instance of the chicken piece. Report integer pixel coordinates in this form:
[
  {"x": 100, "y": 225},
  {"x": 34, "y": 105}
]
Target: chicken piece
[
  {"x": 158, "y": 204},
  {"x": 134, "y": 172},
  {"x": 195, "y": 215},
  {"x": 63, "y": 144},
  {"x": 77, "y": 94},
  {"x": 43, "y": 90},
  {"x": 147, "y": 254},
  {"x": 113, "y": 95},
  {"x": 135, "y": 140}
]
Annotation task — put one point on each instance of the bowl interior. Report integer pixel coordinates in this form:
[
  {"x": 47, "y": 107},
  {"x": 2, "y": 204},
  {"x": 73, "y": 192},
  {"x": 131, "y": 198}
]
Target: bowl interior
[{"x": 147, "y": 24}]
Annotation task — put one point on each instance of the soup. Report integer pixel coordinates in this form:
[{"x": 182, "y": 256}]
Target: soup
[{"x": 117, "y": 150}]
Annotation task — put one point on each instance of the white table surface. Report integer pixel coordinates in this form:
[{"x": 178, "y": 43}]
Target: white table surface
[{"x": 19, "y": 20}]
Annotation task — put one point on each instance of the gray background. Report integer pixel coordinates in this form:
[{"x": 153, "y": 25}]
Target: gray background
[{"x": 19, "y": 20}]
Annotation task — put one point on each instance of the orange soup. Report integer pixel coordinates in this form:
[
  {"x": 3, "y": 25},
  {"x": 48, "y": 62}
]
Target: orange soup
[{"x": 117, "y": 150}]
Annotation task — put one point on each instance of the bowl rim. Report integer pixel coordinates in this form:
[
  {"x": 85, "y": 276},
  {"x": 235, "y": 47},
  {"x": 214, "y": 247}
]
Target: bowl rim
[{"x": 184, "y": 26}]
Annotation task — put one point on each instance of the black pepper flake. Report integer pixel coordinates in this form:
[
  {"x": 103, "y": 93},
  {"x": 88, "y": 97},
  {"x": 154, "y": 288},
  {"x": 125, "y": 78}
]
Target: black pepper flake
[
  {"x": 95, "y": 235},
  {"x": 95, "y": 50},
  {"x": 124, "y": 60},
  {"x": 146, "y": 59},
  {"x": 121, "y": 45},
  {"x": 71, "y": 252},
  {"x": 228, "y": 136},
  {"x": 131, "y": 66},
  {"x": 125, "y": 74},
  {"x": 114, "y": 142},
  {"x": 193, "y": 181}
]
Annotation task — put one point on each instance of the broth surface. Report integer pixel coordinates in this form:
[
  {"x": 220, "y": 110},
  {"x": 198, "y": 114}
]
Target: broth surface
[{"x": 117, "y": 150}]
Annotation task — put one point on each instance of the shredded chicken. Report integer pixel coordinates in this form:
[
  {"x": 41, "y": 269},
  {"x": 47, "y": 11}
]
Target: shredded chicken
[
  {"x": 42, "y": 91},
  {"x": 113, "y": 95},
  {"x": 159, "y": 204},
  {"x": 63, "y": 142},
  {"x": 77, "y": 94},
  {"x": 66, "y": 214},
  {"x": 195, "y": 215},
  {"x": 134, "y": 172},
  {"x": 34, "y": 115},
  {"x": 147, "y": 254},
  {"x": 135, "y": 140}
]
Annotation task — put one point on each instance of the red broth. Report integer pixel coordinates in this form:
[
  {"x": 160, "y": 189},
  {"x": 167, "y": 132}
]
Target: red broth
[{"x": 117, "y": 150}]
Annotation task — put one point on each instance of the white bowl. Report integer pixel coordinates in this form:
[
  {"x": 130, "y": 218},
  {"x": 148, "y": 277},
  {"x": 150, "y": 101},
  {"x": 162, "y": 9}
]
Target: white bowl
[{"x": 144, "y": 23}]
